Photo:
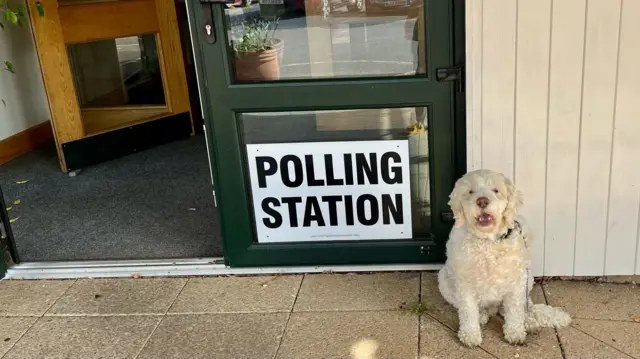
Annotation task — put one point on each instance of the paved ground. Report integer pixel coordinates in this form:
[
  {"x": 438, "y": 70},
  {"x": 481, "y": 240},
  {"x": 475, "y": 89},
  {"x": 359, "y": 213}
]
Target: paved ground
[{"x": 298, "y": 317}]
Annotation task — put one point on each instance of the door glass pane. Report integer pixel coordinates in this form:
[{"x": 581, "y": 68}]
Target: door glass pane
[
  {"x": 303, "y": 39},
  {"x": 336, "y": 133},
  {"x": 117, "y": 72}
]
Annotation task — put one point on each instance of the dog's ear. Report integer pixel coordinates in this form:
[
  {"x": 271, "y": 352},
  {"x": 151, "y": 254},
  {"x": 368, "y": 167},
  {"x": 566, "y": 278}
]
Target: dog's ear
[
  {"x": 455, "y": 202},
  {"x": 514, "y": 203}
]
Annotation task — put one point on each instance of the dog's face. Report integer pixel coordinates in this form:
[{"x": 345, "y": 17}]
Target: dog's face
[{"x": 485, "y": 201}]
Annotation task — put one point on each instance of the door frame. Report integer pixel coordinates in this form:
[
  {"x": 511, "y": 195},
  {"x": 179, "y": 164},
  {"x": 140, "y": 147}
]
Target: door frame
[
  {"x": 330, "y": 251},
  {"x": 115, "y": 130}
]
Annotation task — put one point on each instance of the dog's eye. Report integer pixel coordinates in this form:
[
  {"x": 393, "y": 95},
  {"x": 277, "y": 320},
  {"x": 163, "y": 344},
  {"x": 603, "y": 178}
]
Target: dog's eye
[{"x": 495, "y": 191}]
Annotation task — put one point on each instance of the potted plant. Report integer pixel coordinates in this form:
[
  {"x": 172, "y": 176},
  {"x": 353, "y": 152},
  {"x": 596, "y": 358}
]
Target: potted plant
[{"x": 257, "y": 53}]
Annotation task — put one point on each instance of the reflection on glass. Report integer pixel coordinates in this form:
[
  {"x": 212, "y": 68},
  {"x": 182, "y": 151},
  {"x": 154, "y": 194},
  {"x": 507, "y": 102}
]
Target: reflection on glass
[
  {"x": 298, "y": 39},
  {"x": 355, "y": 125},
  {"x": 117, "y": 72}
]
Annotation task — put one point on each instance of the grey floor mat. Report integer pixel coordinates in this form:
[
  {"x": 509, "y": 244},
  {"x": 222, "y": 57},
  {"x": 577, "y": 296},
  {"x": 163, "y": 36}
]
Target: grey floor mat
[{"x": 153, "y": 204}]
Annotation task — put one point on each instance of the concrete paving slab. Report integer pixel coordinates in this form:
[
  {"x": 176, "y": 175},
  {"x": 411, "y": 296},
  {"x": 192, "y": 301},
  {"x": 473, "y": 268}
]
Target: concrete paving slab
[
  {"x": 591, "y": 300},
  {"x": 119, "y": 337},
  {"x": 238, "y": 294},
  {"x": 11, "y": 329},
  {"x": 216, "y": 336},
  {"x": 352, "y": 335},
  {"x": 30, "y": 298},
  {"x": 438, "y": 341},
  {"x": 118, "y": 296},
  {"x": 624, "y": 336},
  {"x": 578, "y": 345},
  {"x": 348, "y": 292}
]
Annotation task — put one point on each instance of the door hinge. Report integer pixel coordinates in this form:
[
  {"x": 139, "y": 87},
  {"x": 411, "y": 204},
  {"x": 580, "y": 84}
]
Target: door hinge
[
  {"x": 447, "y": 217},
  {"x": 449, "y": 74}
]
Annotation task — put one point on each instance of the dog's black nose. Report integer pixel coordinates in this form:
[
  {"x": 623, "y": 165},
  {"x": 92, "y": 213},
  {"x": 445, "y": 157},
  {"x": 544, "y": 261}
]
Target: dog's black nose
[{"x": 482, "y": 202}]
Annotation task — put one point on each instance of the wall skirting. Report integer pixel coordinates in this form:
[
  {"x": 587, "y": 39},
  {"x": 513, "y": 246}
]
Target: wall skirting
[{"x": 25, "y": 141}]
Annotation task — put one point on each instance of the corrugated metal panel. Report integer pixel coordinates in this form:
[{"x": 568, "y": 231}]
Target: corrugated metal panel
[{"x": 553, "y": 96}]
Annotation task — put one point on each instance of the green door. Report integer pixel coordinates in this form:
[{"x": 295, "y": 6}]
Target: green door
[{"x": 331, "y": 138}]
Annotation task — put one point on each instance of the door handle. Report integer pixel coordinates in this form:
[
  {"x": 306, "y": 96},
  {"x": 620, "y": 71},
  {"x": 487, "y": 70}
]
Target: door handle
[{"x": 209, "y": 28}]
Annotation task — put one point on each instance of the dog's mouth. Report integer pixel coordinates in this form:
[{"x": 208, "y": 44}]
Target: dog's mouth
[{"x": 485, "y": 220}]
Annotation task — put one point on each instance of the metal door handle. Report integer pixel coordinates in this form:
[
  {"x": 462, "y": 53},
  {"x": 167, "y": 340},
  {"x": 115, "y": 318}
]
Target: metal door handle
[{"x": 209, "y": 28}]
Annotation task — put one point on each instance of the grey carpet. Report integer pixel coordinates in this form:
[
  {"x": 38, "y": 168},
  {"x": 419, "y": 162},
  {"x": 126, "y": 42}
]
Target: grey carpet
[{"x": 153, "y": 204}]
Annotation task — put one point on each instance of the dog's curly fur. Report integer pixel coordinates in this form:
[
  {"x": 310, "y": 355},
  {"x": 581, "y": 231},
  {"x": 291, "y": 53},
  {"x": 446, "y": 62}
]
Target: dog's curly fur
[{"x": 488, "y": 267}]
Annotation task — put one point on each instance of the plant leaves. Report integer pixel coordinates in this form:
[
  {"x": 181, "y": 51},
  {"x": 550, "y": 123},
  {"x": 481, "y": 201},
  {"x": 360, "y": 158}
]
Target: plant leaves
[
  {"x": 22, "y": 182},
  {"x": 21, "y": 10},
  {"x": 17, "y": 202},
  {"x": 9, "y": 67},
  {"x": 11, "y": 16},
  {"x": 13, "y": 219}
]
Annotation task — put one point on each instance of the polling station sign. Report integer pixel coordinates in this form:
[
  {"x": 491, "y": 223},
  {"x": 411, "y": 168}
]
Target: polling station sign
[{"x": 330, "y": 191}]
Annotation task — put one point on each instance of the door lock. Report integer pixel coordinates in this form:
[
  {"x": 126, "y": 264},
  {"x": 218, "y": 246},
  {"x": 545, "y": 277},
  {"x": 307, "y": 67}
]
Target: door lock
[{"x": 209, "y": 32}]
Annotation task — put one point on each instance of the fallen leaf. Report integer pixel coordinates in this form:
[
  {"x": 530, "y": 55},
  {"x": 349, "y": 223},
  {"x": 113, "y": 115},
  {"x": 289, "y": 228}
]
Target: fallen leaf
[
  {"x": 136, "y": 276},
  {"x": 22, "y": 182},
  {"x": 636, "y": 318},
  {"x": 17, "y": 202},
  {"x": 13, "y": 219},
  {"x": 9, "y": 208}
]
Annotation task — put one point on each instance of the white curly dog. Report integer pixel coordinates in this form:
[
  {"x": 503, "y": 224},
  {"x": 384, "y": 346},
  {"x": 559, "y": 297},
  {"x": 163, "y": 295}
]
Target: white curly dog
[{"x": 488, "y": 267}]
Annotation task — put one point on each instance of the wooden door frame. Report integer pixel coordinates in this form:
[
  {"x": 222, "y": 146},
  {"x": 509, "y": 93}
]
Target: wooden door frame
[{"x": 61, "y": 25}]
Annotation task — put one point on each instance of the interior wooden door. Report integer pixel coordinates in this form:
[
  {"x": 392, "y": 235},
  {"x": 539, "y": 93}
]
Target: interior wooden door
[{"x": 114, "y": 76}]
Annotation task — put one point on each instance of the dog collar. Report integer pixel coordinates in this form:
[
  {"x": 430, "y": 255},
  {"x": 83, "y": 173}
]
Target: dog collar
[{"x": 516, "y": 227}]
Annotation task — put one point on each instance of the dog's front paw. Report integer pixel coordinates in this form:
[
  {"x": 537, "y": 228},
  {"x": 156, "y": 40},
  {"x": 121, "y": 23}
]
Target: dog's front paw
[
  {"x": 469, "y": 336},
  {"x": 515, "y": 335}
]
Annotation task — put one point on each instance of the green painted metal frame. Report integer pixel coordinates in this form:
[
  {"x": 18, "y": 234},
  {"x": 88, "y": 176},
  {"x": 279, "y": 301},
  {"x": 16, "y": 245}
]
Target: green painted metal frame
[{"x": 223, "y": 100}]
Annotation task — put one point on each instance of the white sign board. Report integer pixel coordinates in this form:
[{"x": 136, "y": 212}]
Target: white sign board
[{"x": 330, "y": 191}]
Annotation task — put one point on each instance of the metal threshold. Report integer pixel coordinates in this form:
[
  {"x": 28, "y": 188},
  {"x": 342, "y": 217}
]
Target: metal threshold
[{"x": 180, "y": 267}]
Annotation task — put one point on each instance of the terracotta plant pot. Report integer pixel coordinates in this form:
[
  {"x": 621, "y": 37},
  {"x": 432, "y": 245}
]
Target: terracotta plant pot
[{"x": 259, "y": 66}]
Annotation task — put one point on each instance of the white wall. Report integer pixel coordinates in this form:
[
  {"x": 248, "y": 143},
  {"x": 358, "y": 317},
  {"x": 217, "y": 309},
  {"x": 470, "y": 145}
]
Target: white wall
[
  {"x": 554, "y": 101},
  {"x": 23, "y": 91}
]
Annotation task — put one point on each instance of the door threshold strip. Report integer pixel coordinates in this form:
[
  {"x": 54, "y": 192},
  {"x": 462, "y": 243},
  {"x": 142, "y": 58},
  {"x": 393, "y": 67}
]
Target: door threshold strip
[{"x": 181, "y": 267}]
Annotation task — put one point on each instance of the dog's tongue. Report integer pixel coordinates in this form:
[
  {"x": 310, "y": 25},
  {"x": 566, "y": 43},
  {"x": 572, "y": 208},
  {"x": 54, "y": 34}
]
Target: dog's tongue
[{"x": 485, "y": 219}]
